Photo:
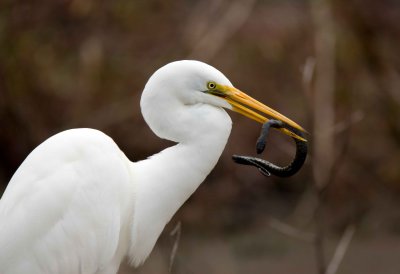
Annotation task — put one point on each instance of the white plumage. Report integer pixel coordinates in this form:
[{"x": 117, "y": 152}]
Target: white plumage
[{"x": 77, "y": 204}]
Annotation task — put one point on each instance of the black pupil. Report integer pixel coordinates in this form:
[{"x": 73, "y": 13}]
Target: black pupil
[{"x": 212, "y": 85}]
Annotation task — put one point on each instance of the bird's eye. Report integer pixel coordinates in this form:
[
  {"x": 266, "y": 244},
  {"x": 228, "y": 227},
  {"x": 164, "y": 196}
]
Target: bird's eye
[{"x": 211, "y": 85}]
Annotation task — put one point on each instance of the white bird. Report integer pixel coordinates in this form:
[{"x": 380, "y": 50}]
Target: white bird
[{"x": 77, "y": 204}]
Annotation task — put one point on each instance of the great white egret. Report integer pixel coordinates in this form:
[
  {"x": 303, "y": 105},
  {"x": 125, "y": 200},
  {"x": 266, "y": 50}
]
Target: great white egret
[{"x": 77, "y": 204}]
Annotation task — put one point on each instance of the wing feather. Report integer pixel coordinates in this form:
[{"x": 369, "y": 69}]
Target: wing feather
[{"x": 64, "y": 208}]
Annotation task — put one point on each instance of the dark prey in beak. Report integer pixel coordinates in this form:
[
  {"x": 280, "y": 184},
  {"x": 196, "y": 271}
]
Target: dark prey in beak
[{"x": 268, "y": 168}]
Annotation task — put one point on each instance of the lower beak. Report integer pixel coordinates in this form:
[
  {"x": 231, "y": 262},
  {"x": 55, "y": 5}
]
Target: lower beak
[{"x": 243, "y": 104}]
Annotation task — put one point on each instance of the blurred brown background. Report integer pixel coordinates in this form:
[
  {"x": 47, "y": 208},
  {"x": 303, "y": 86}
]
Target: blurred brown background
[{"x": 332, "y": 66}]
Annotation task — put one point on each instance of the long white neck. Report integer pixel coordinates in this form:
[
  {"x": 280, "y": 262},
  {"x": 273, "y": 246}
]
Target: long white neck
[{"x": 165, "y": 181}]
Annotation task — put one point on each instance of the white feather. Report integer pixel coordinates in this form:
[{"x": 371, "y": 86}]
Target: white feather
[{"x": 64, "y": 208}]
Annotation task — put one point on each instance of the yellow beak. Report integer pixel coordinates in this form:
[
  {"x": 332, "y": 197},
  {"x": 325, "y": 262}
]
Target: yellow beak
[{"x": 242, "y": 103}]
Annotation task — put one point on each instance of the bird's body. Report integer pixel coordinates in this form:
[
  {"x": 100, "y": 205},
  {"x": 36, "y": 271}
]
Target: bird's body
[{"x": 77, "y": 204}]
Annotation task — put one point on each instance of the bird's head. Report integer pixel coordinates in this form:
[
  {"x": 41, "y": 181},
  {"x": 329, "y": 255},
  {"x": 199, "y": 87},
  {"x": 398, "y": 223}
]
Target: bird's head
[{"x": 191, "y": 83}]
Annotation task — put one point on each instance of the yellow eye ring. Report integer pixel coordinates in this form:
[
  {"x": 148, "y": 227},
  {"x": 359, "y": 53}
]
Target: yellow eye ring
[{"x": 211, "y": 85}]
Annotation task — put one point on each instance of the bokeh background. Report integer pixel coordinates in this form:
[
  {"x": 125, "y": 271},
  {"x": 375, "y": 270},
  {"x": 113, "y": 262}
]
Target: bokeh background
[{"x": 332, "y": 66}]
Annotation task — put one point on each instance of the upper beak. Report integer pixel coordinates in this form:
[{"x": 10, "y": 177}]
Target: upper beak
[{"x": 243, "y": 104}]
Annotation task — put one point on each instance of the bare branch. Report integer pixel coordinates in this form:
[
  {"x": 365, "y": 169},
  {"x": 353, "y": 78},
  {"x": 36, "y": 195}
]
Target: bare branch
[
  {"x": 176, "y": 232},
  {"x": 308, "y": 71},
  {"x": 323, "y": 95},
  {"x": 341, "y": 249},
  {"x": 323, "y": 114},
  {"x": 339, "y": 127},
  {"x": 290, "y": 230},
  {"x": 231, "y": 21},
  {"x": 200, "y": 19}
]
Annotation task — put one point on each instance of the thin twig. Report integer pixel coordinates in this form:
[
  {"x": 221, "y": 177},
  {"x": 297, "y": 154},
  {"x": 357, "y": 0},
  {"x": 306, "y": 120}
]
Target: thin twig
[
  {"x": 235, "y": 16},
  {"x": 308, "y": 72},
  {"x": 176, "y": 232},
  {"x": 200, "y": 20},
  {"x": 341, "y": 249},
  {"x": 291, "y": 231},
  {"x": 339, "y": 127}
]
